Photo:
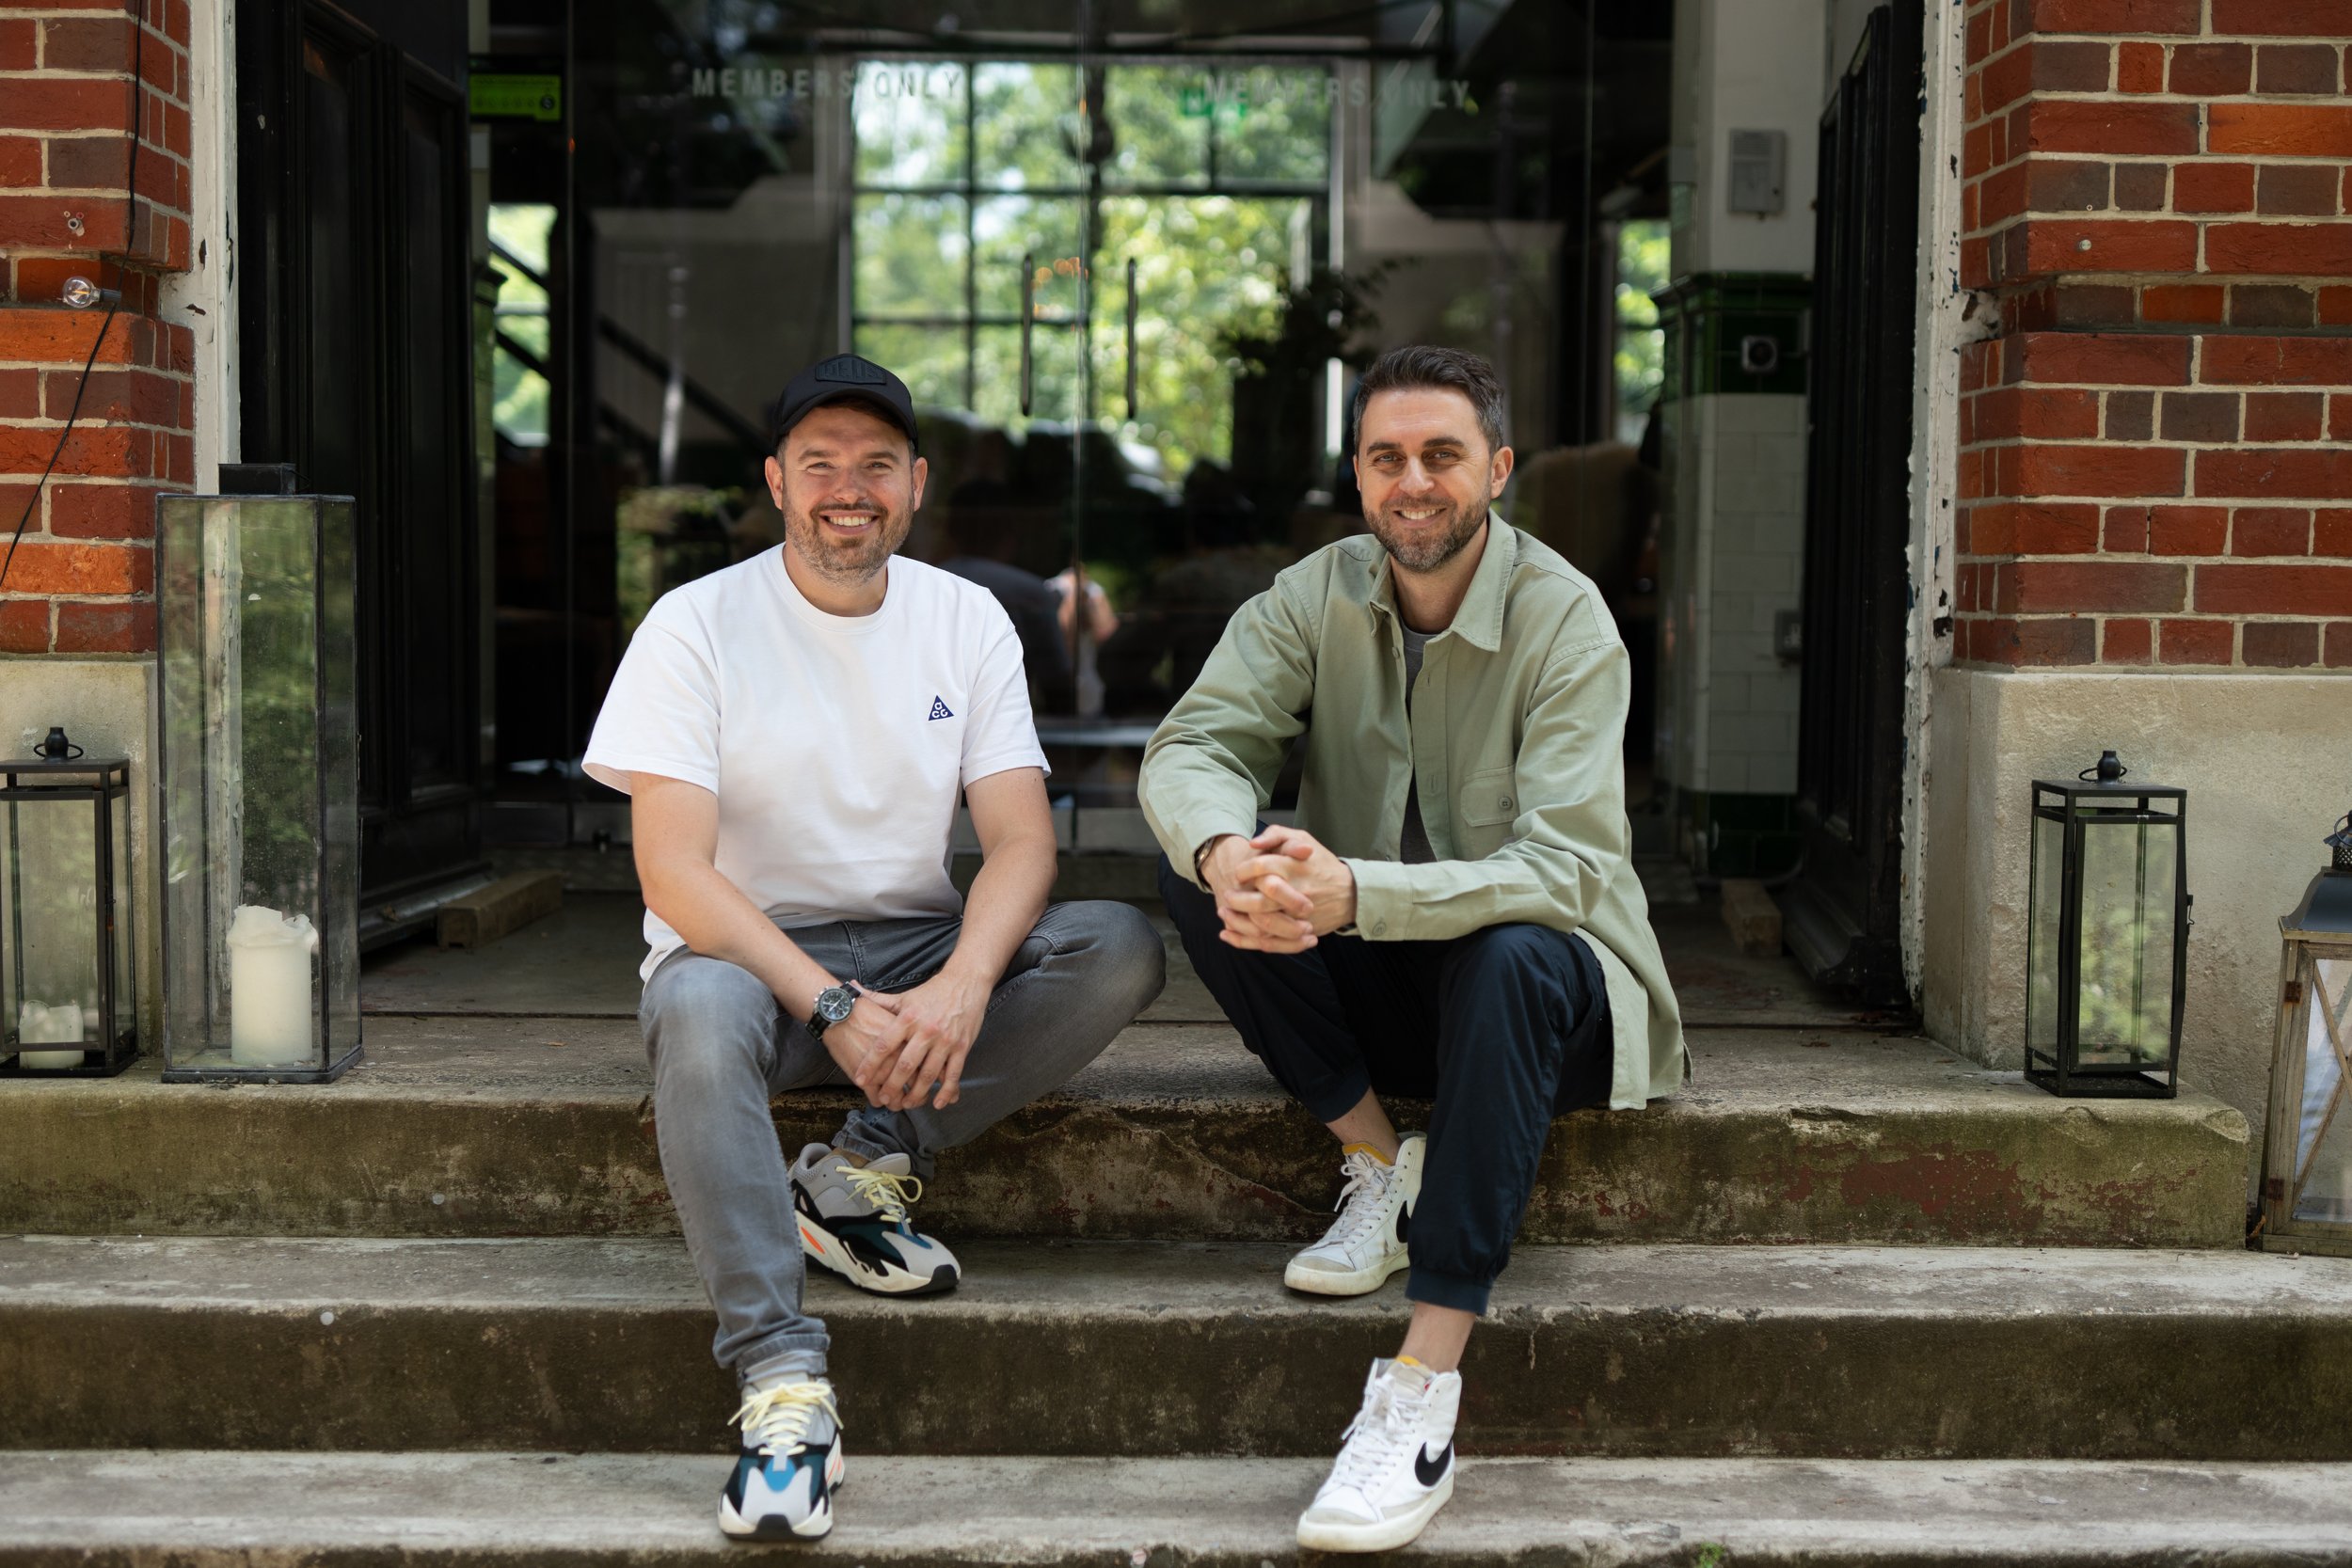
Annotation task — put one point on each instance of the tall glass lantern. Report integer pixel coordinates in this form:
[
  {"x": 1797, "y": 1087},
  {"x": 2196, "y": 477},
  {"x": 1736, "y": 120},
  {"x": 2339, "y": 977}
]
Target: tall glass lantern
[
  {"x": 2307, "y": 1161},
  {"x": 260, "y": 788},
  {"x": 2106, "y": 935},
  {"x": 66, "y": 992}
]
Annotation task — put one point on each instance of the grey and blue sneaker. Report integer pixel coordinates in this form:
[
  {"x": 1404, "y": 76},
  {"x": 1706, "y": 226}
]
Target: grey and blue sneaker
[
  {"x": 853, "y": 1220},
  {"x": 790, "y": 1466}
]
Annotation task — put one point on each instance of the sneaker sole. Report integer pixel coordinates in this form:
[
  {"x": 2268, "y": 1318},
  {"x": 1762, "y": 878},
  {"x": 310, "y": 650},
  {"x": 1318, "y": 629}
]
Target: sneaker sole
[
  {"x": 731, "y": 1524},
  {"x": 1361, "y": 1282},
  {"x": 1387, "y": 1535},
  {"x": 893, "y": 1281}
]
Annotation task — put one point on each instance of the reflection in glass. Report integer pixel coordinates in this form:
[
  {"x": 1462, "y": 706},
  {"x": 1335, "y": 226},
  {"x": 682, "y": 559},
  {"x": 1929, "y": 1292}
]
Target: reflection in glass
[
  {"x": 911, "y": 123},
  {"x": 2323, "y": 1159},
  {"x": 1026, "y": 125},
  {"x": 911, "y": 254}
]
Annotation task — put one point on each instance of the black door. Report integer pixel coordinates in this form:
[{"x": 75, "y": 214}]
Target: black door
[
  {"x": 1843, "y": 909},
  {"x": 352, "y": 260}
]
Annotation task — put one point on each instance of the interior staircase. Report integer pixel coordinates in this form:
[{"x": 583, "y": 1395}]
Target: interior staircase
[{"x": 1846, "y": 1300}]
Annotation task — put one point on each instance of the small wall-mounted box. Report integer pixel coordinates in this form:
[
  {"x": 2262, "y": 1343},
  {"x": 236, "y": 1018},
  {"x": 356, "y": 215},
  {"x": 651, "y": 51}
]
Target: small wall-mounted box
[{"x": 1759, "y": 168}]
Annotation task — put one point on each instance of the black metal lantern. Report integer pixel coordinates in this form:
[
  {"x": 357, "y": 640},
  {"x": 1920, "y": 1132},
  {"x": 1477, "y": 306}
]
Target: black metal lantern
[
  {"x": 2106, "y": 935},
  {"x": 2307, "y": 1162},
  {"x": 65, "y": 915}
]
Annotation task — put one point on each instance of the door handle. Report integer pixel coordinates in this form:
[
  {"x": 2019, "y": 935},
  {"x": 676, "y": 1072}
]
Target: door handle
[
  {"x": 1131, "y": 338},
  {"x": 1028, "y": 313}
]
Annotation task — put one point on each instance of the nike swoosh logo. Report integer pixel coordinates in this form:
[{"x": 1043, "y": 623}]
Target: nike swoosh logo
[{"x": 1430, "y": 1471}]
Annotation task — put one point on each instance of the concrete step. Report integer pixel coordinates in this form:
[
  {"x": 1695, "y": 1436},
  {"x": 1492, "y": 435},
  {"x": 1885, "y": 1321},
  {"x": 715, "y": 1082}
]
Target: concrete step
[
  {"x": 1166, "y": 1349},
  {"x": 540, "y": 1126},
  {"x": 603, "y": 1511}
]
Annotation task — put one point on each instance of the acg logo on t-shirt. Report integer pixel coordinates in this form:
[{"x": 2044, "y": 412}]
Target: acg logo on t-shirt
[{"x": 940, "y": 710}]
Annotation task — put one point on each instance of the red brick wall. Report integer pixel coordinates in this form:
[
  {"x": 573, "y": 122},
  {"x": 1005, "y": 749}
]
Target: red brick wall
[
  {"x": 82, "y": 580},
  {"x": 2156, "y": 448}
]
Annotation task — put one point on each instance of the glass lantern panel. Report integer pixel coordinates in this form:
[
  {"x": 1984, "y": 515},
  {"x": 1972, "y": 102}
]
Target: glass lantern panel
[
  {"x": 2323, "y": 1151},
  {"x": 2041, "y": 935},
  {"x": 50, "y": 850},
  {"x": 126, "y": 928},
  {"x": 259, "y": 810},
  {"x": 2125, "y": 1021}
]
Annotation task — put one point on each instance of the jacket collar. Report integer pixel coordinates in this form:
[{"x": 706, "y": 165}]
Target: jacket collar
[{"x": 1479, "y": 622}]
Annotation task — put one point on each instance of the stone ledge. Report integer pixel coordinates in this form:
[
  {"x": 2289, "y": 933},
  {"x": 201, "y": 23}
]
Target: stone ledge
[
  {"x": 599, "y": 1511},
  {"x": 486, "y": 1127},
  {"x": 1141, "y": 1349}
]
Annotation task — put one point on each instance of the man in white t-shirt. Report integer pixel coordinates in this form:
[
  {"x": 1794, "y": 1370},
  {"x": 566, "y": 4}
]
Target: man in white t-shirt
[{"x": 794, "y": 731}]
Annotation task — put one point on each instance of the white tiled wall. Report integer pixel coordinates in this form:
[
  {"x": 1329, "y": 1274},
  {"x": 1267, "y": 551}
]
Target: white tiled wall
[{"x": 1734, "y": 558}]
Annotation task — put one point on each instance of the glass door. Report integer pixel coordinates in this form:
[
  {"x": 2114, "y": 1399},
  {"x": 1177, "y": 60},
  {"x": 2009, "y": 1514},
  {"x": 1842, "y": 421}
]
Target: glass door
[{"x": 1128, "y": 255}]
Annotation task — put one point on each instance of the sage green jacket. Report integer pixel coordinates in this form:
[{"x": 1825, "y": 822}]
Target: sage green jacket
[{"x": 1517, "y": 737}]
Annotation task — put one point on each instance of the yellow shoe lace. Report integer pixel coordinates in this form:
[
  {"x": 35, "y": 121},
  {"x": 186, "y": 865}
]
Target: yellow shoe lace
[
  {"x": 778, "y": 1416},
  {"x": 888, "y": 1193}
]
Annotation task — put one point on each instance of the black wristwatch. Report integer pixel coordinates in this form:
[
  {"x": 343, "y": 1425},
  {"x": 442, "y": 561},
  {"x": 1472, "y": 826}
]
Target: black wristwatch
[{"x": 832, "y": 1005}]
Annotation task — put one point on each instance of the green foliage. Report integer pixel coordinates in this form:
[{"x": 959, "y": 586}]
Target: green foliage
[
  {"x": 520, "y": 395},
  {"x": 1642, "y": 266},
  {"x": 1203, "y": 264}
]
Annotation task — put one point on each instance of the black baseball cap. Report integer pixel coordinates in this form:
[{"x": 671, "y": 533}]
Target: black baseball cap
[{"x": 843, "y": 378}]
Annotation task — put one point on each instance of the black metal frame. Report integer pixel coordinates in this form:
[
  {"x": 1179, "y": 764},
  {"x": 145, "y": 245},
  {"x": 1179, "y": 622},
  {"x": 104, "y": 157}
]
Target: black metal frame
[
  {"x": 2077, "y": 805},
  {"x": 108, "y": 790},
  {"x": 1844, "y": 909},
  {"x": 410, "y": 817}
]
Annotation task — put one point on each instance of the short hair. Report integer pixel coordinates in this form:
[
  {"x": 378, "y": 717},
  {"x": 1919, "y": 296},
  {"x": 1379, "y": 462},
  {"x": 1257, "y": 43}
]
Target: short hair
[{"x": 1420, "y": 365}]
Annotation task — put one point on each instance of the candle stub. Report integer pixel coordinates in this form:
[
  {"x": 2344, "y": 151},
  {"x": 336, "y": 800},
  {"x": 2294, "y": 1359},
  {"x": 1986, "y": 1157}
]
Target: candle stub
[
  {"x": 38, "y": 1024},
  {"x": 269, "y": 987}
]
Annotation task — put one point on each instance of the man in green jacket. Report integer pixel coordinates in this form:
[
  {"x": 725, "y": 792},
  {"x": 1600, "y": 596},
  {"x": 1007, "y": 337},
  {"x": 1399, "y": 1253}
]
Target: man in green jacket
[{"x": 1455, "y": 916}]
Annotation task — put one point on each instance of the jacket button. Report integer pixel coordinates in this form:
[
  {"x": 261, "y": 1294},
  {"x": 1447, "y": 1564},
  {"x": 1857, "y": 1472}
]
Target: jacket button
[
  {"x": 1506, "y": 802},
  {"x": 1379, "y": 928}
]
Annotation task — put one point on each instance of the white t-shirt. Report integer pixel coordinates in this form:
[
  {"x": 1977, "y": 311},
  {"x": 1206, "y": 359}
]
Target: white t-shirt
[{"x": 837, "y": 745}]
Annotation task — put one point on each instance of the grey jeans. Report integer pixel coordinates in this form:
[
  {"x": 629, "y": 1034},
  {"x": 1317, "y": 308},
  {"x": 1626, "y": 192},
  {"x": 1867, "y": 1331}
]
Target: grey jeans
[{"x": 721, "y": 1047}]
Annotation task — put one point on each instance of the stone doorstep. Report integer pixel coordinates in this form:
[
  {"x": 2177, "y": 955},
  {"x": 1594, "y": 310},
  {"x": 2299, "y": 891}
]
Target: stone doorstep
[
  {"x": 478, "y": 1127},
  {"x": 1128, "y": 1349},
  {"x": 605, "y": 1510}
]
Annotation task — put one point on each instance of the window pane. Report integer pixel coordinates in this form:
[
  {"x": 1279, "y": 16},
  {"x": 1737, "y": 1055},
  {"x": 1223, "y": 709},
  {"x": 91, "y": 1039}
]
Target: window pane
[
  {"x": 909, "y": 122},
  {"x": 930, "y": 360},
  {"x": 1025, "y": 122},
  {"x": 1054, "y": 378},
  {"x": 1006, "y": 228},
  {"x": 911, "y": 256},
  {"x": 1160, "y": 126},
  {"x": 1273, "y": 124},
  {"x": 1206, "y": 268}
]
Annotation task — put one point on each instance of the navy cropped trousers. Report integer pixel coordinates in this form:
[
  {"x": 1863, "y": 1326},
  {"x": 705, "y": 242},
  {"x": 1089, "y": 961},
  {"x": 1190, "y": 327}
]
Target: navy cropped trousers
[{"x": 1503, "y": 1029}]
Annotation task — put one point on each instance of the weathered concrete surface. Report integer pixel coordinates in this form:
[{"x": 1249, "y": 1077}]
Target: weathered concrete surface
[
  {"x": 583, "y": 961},
  {"x": 121, "y": 1510},
  {"x": 472, "y": 1127},
  {"x": 1169, "y": 1349}
]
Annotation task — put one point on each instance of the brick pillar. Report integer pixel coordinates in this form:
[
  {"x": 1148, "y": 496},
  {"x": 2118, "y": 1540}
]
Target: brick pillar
[
  {"x": 2153, "y": 465},
  {"x": 83, "y": 576}
]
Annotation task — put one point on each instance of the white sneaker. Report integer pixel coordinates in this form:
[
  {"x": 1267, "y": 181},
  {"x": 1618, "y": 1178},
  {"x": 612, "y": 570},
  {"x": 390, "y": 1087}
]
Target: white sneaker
[
  {"x": 853, "y": 1220},
  {"x": 790, "y": 1466},
  {"x": 1396, "y": 1468},
  {"x": 1366, "y": 1244}
]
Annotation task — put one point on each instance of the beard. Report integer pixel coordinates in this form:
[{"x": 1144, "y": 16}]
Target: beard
[
  {"x": 847, "y": 562},
  {"x": 1426, "y": 548}
]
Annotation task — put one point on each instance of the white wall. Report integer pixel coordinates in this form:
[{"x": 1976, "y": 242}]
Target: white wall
[{"x": 1746, "y": 64}]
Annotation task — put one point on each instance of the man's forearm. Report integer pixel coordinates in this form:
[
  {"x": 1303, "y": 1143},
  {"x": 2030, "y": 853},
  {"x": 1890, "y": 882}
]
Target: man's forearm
[
  {"x": 711, "y": 915},
  {"x": 1002, "y": 907}
]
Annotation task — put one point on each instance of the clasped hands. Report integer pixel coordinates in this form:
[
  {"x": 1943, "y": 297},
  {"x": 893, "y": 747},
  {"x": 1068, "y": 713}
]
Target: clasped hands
[
  {"x": 896, "y": 1048},
  {"x": 1276, "y": 892}
]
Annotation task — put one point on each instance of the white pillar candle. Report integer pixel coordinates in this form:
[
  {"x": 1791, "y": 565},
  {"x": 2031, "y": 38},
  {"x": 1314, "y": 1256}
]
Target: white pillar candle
[
  {"x": 41, "y": 1024},
  {"x": 269, "y": 987}
]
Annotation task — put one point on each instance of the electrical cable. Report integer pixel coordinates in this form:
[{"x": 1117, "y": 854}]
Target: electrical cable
[{"x": 130, "y": 238}]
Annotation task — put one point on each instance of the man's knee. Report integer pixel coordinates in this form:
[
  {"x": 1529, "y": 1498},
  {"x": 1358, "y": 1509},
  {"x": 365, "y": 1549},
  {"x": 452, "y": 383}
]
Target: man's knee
[
  {"x": 705, "y": 1017},
  {"x": 1521, "y": 960},
  {"x": 1126, "y": 955}
]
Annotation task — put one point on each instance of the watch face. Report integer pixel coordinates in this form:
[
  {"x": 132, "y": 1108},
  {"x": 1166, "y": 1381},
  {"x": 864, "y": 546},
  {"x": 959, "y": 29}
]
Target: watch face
[{"x": 835, "y": 1003}]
